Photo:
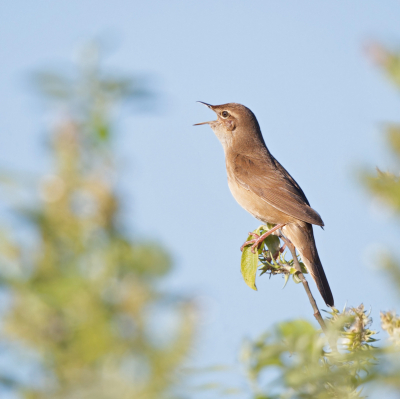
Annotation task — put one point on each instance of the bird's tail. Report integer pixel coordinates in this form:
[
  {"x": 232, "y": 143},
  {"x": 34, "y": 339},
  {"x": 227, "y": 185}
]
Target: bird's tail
[{"x": 302, "y": 237}]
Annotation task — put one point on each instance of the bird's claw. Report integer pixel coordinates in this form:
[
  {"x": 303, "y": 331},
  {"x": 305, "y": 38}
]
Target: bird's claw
[
  {"x": 259, "y": 239},
  {"x": 256, "y": 242}
]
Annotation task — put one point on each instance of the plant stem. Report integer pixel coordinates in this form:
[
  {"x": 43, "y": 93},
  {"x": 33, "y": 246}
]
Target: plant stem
[{"x": 317, "y": 313}]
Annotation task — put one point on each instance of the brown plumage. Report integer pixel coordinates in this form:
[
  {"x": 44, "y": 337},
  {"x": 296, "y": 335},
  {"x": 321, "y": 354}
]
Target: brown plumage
[{"x": 262, "y": 186}]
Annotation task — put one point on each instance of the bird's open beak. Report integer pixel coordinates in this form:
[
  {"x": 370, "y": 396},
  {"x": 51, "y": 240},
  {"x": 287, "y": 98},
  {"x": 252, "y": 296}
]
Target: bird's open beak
[
  {"x": 207, "y": 105},
  {"x": 204, "y": 123}
]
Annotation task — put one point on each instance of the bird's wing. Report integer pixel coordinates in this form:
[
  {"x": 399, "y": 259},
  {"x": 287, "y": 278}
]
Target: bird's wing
[{"x": 267, "y": 178}]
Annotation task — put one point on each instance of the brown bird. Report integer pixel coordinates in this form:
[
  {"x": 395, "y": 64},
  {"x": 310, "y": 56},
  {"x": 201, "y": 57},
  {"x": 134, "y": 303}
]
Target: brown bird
[{"x": 264, "y": 188}]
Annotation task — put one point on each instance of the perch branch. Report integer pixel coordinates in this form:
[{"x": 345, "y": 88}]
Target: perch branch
[{"x": 317, "y": 313}]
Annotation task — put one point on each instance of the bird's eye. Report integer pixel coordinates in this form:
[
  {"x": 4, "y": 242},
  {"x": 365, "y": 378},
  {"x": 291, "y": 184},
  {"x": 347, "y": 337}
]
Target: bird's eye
[{"x": 225, "y": 114}]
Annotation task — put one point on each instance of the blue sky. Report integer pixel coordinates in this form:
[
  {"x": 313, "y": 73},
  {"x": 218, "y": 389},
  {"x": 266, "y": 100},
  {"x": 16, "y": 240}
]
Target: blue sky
[{"x": 300, "y": 66}]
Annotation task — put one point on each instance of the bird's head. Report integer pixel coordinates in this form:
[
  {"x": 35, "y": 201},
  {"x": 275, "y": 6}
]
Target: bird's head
[{"x": 234, "y": 122}]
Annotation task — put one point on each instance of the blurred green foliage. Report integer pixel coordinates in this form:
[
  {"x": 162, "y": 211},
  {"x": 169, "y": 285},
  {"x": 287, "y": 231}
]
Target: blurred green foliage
[
  {"x": 293, "y": 360},
  {"x": 86, "y": 298},
  {"x": 297, "y": 353},
  {"x": 87, "y": 307}
]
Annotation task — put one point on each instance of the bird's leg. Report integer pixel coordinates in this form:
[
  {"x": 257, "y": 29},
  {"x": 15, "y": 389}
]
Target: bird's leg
[
  {"x": 259, "y": 239},
  {"x": 279, "y": 251},
  {"x": 251, "y": 241}
]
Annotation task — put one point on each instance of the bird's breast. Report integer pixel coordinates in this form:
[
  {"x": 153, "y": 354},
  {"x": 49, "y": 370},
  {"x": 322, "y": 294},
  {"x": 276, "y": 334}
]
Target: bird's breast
[{"x": 255, "y": 205}]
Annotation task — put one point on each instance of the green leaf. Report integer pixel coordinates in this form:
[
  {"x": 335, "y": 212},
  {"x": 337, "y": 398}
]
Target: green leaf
[
  {"x": 296, "y": 278},
  {"x": 249, "y": 261},
  {"x": 286, "y": 280},
  {"x": 259, "y": 230},
  {"x": 273, "y": 243},
  {"x": 248, "y": 266},
  {"x": 303, "y": 268}
]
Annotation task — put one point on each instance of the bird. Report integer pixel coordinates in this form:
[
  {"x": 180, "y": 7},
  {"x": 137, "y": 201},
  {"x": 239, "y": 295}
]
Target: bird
[{"x": 265, "y": 189}]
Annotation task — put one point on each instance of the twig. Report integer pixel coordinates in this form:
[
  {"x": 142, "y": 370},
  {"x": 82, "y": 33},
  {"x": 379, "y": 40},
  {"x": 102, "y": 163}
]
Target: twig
[{"x": 317, "y": 313}]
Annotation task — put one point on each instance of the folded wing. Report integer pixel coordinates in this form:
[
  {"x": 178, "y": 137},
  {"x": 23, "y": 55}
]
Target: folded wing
[{"x": 267, "y": 178}]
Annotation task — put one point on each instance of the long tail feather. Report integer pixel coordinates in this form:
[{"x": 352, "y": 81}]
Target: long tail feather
[{"x": 302, "y": 237}]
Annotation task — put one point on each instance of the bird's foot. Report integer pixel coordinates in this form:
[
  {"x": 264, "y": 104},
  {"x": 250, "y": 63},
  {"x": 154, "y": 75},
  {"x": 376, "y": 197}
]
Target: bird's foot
[
  {"x": 259, "y": 239},
  {"x": 256, "y": 242}
]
